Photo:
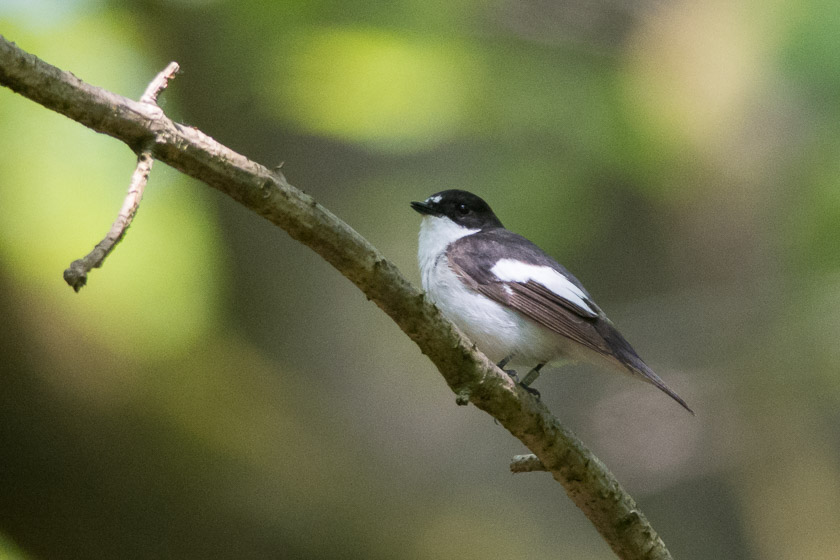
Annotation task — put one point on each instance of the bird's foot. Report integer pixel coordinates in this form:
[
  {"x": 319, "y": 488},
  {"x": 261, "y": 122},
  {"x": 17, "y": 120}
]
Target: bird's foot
[
  {"x": 531, "y": 390},
  {"x": 511, "y": 373}
]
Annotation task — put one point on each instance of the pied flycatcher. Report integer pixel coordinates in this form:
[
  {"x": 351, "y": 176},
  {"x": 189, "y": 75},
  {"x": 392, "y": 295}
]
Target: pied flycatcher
[{"x": 512, "y": 299}]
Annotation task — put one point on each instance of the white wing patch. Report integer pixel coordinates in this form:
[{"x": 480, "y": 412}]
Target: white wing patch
[{"x": 511, "y": 270}]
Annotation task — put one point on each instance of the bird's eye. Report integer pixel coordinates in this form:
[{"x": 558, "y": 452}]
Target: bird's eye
[{"x": 463, "y": 210}]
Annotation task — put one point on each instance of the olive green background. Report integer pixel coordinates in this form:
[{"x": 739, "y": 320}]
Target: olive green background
[{"x": 218, "y": 391}]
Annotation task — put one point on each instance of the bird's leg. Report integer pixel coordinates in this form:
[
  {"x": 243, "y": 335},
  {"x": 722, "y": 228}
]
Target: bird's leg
[
  {"x": 501, "y": 365},
  {"x": 532, "y": 375},
  {"x": 530, "y": 378}
]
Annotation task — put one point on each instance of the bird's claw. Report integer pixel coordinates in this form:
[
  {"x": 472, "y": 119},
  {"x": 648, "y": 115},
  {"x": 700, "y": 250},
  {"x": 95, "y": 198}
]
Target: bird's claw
[{"x": 531, "y": 390}]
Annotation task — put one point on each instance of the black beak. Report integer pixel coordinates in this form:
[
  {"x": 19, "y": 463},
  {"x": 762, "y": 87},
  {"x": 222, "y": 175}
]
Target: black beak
[{"x": 423, "y": 208}]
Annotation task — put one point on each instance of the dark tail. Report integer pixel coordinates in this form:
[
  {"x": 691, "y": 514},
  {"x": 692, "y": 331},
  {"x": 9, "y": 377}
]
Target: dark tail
[
  {"x": 648, "y": 375},
  {"x": 625, "y": 354}
]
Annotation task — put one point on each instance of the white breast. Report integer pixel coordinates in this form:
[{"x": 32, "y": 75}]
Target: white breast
[{"x": 497, "y": 330}]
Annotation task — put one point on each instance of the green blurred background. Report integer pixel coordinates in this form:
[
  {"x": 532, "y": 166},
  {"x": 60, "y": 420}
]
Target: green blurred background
[{"x": 218, "y": 391}]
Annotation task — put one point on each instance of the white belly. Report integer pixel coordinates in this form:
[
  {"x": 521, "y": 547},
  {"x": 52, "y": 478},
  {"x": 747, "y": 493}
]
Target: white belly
[{"x": 497, "y": 330}]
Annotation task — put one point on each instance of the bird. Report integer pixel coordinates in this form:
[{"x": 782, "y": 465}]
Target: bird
[{"x": 509, "y": 297}]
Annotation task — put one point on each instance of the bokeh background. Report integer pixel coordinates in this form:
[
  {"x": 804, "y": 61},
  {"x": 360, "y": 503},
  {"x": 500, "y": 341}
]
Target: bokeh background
[{"x": 218, "y": 391}]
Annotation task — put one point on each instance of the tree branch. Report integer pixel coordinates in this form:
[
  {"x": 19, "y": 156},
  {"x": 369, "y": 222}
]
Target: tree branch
[
  {"x": 526, "y": 463},
  {"x": 76, "y": 274},
  {"x": 468, "y": 372}
]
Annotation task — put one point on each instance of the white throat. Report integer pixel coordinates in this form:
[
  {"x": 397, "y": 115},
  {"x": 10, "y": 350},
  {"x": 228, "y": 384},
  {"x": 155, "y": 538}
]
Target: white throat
[{"x": 436, "y": 233}]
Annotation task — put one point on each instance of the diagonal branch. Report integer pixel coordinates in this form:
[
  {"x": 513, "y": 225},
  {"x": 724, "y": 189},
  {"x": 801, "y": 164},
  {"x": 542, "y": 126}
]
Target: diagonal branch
[
  {"x": 76, "y": 274},
  {"x": 468, "y": 372}
]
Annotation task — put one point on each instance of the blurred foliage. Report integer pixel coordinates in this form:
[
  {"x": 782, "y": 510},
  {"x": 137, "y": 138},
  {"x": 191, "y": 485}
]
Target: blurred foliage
[
  {"x": 373, "y": 87},
  {"x": 218, "y": 391},
  {"x": 8, "y": 551},
  {"x": 69, "y": 198}
]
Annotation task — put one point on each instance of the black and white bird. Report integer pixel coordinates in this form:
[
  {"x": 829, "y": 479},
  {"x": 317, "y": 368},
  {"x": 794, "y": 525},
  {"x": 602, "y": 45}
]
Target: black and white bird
[{"x": 509, "y": 297}]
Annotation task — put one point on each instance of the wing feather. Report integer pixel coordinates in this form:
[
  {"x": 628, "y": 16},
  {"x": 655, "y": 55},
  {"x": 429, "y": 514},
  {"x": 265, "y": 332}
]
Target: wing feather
[{"x": 470, "y": 260}]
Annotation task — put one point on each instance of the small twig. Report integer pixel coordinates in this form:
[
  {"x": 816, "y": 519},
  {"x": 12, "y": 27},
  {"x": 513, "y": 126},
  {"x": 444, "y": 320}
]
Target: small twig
[
  {"x": 76, "y": 274},
  {"x": 526, "y": 463},
  {"x": 159, "y": 83}
]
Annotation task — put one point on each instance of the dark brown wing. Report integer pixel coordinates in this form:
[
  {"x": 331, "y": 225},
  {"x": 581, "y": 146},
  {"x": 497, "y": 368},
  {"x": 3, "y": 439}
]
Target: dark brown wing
[
  {"x": 470, "y": 259},
  {"x": 545, "y": 307}
]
